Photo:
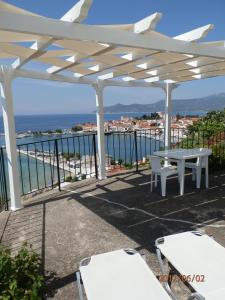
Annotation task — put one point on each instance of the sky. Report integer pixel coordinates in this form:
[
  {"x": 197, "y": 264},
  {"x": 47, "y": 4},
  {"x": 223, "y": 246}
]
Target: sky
[{"x": 179, "y": 16}]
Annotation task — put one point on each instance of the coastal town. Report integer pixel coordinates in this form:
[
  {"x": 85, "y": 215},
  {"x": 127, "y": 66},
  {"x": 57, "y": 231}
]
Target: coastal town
[
  {"x": 142, "y": 123},
  {"x": 154, "y": 121}
]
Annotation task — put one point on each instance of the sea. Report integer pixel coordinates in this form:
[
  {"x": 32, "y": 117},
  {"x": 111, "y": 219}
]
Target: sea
[
  {"x": 63, "y": 121},
  {"x": 26, "y": 123}
]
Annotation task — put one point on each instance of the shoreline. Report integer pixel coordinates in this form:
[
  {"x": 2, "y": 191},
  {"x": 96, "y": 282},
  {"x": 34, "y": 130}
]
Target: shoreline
[{"x": 47, "y": 160}]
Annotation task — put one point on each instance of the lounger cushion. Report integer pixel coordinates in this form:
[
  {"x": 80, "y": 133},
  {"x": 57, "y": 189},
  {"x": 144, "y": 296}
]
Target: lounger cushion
[
  {"x": 194, "y": 254},
  {"x": 120, "y": 276}
]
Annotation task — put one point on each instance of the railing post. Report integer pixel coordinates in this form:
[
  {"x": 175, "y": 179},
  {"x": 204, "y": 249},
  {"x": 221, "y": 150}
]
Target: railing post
[
  {"x": 136, "y": 149},
  {"x": 57, "y": 163},
  {"x": 95, "y": 156},
  {"x": 4, "y": 181}
]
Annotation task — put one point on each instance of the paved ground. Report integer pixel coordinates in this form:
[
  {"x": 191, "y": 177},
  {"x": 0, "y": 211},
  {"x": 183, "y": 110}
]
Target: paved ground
[{"x": 91, "y": 217}]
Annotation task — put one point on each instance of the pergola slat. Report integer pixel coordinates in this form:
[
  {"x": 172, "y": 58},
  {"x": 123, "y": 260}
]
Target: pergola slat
[
  {"x": 76, "y": 14},
  {"x": 59, "y": 29}
]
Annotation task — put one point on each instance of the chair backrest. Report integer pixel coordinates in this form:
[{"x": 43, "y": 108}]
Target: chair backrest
[{"x": 155, "y": 163}]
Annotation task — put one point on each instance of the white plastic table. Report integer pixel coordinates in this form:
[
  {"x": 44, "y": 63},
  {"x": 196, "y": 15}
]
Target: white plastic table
[{"x": 181, "y": 155}]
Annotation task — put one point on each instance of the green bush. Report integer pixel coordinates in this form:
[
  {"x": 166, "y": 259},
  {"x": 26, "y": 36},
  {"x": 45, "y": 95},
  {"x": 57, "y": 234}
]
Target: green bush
[
  {"x": 113, "y": 163},
  {"x": 75, "y": 178},
  {"x": 128, "y": 166},
  {"x": 83, "y": 176},
  {"x": 20, "y": 277},
  {"x": 76, "y": 128},
  {"x": 120, "y": 161},
  {"x": 59, "y": 131},
  {"x": 69, "y": 156},
  {"x": 68, "y": 178}
]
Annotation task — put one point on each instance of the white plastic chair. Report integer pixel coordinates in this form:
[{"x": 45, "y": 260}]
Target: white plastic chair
[
  {"x": 162, "y": 171},
  {"x": 197, "y": 167}
]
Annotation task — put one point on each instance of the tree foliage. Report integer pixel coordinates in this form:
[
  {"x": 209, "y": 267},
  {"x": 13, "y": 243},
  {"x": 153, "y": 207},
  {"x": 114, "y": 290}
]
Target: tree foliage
[
  {"x": 211, "y": 124},
  {"x": 76, "y": 128},
  {"x": 208, "y": 132},
  {"x": 152, "y": 116},
  {"x": 67, "y": 156},
  {"x": 59, "y": 131}
]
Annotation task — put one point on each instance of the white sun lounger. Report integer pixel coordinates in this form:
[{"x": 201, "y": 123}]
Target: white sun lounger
[
  {"x": 199, "y": 256},
  {"x": 119, "y": 275}
]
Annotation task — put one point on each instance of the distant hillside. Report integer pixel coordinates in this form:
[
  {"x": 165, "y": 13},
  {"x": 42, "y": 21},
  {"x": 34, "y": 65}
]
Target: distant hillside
[{"x": 212, "y": 102}]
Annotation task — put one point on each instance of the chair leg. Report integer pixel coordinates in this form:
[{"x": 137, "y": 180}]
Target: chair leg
[
  {"x": 79, "y": 285},
  {"x": 156, "y": 180},
  {"x": 206, "y": 177},
  {"x": 178, "y": 177},
  {"x": 151, "y": 184},
  {"x": 163, "y": 185},
  {"x": 193, "y": 174},
  {"x": 198, "y": 180}
]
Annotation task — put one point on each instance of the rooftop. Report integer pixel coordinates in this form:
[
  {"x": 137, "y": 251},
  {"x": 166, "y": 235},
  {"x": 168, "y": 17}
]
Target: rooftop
[{"x": 68, "y": 226}]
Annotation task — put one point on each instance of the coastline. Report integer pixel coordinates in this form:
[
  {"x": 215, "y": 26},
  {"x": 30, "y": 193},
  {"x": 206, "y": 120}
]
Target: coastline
[
  {"x": 25, "y": 123},
  {"x": 47, "y": 160}
]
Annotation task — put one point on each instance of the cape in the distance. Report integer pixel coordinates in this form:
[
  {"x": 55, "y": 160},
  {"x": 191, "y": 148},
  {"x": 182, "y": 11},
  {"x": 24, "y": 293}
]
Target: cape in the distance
[{"x": 212, "y": 102}]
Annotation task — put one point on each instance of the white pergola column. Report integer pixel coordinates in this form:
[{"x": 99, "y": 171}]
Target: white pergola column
[
  {"x": 167, "y": 120},
  {"x": 100, "y": 130},
  {"x": 10, "y": 139}
]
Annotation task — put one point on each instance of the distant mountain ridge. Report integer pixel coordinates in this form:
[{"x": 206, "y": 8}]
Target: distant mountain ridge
[{"x": 212, "y": 102}]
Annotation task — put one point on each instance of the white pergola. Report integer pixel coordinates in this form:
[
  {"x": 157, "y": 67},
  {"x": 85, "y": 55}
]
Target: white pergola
[{"x": 127, "y": 55}]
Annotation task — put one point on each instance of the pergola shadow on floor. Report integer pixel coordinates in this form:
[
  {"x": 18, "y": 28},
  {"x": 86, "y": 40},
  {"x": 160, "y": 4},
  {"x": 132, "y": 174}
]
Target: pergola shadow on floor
[{"x": 91, "y": 217}]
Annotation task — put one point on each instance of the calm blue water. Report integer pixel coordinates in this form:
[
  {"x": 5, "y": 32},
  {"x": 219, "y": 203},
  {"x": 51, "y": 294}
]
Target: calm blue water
[{"x": 52, "y": 122}]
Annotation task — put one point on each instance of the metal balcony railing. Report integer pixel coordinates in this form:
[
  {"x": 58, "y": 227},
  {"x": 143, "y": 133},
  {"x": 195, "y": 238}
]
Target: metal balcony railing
[{"x": 49, "y": 163}]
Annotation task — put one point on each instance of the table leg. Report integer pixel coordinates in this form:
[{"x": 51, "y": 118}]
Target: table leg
[
  {"x": 181, "y": 169},
  {"x": 207, "y": 172}
]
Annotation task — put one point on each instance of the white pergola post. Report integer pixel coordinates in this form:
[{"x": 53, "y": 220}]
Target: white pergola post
[
  {"x": 10, "y": 139},
  {"x": 100, "y": 129},
  {"x": 167, "y": 120}
]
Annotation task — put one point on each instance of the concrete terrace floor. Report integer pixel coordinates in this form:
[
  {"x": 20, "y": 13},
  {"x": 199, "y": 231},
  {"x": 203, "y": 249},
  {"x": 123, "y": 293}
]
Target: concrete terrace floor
[{"x": 91, "y": 217}]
